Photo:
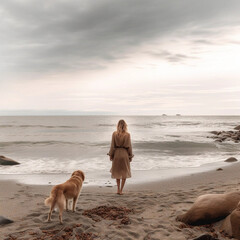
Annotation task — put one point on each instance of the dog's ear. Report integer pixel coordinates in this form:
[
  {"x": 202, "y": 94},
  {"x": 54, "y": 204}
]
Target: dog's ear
[
  {"x": 74, "y": 173},
  {"x": 82, "y": 175}
]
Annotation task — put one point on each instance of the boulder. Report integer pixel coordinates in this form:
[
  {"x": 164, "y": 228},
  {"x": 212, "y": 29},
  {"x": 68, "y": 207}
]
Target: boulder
[
  {"x": 210, "y": 208},
  {"x": 7, "y": 161},
  {"x": 237, "y": 127},
  {"x": 4, "y": 221},
  {"x": 231, "y": 224},
  {"x": 231, "y": 159}
]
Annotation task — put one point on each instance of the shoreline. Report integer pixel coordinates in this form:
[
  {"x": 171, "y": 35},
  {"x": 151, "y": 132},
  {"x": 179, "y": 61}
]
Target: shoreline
[
  {"x": 156, "y": 205},
  {"x": 103, "y": 178}
]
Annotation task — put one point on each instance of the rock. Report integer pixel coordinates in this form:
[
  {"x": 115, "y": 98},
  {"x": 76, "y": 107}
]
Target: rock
[
  {"x": 221, "y": 136},
  {"x": 219, "y": 169},
  {"x": 210, "y": 208},
  {"x": 223, "y": 139},
  {"x": 4, "y": 220},
  {"x": 7, "y": 161},
  {"x": 231, "y": 159},
  {"x": 214, "y": 132},
  {"x": 237, "y": 128},
  {"x": 231, "y": 223},
  {"x": 205, "y": 236}
]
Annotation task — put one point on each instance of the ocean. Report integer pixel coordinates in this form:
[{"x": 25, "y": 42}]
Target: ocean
[{"x": 163, "y": 145}]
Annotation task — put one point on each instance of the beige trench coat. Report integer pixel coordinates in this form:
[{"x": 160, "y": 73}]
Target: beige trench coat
[{"x": 121, "y": 154}]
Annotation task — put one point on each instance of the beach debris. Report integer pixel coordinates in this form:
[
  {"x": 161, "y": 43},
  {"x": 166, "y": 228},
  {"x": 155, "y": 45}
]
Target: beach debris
[
  {"x": 85, "y": 236},
  {"x": 219, "y": 169},
  {"x": 109, "y": 213},
  {"x": 231, "y": 159},
  {"x": 65, "y": 233},
  {"x": 125, "y": 221},
  {"x": 4, "y": 221},
  {"x": 7, "y": 161}
]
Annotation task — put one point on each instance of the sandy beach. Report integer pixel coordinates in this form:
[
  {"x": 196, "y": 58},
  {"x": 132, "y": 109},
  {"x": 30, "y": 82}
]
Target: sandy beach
[{"x": 145, "y": 211}]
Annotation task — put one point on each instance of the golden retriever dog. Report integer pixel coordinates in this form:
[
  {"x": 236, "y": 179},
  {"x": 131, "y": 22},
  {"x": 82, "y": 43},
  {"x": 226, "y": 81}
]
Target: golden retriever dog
[{"x": 61, "y": 193}]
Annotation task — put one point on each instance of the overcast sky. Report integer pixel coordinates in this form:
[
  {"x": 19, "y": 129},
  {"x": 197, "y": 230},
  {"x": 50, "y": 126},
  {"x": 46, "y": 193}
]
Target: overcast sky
[{"x": 120, "y": 57}]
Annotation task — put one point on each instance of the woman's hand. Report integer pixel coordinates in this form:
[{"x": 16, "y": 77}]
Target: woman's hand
[
  {"x": 130, "y": 158},
  {"x": 110, "y": 157}
]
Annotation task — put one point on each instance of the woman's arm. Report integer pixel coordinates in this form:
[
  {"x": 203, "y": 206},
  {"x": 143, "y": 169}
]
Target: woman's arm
[
  {"x": 112, "y": 148},
  {"x": 130, "y": 154}
]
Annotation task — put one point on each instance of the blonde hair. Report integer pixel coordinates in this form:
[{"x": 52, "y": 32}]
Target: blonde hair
[{"x": 121, "y": 126}]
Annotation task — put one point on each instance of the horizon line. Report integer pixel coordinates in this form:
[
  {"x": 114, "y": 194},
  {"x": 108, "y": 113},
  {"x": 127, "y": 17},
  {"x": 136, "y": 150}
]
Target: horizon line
[{"x": 112, "y": 115}]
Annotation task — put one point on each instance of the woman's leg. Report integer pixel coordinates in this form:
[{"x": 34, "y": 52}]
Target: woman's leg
[
  {"x": 118, "y": 185},
  {"x": 122, "y": 185}
]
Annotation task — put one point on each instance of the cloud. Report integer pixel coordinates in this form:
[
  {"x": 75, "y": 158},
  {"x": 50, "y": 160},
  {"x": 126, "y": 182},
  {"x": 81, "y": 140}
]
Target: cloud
[
  {"x": 70, "y": 35},
  {"x": 171, "y": 57}
]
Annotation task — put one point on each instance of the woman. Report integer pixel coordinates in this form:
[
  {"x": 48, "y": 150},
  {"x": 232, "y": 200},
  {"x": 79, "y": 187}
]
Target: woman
[{"x": 121, "y": 155}]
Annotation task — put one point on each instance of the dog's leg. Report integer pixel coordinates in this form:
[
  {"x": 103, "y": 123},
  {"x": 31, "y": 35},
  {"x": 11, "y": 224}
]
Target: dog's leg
[
  {"x": 61, "y": 207},
  {"x": 74, "y": 203},
  {"x": 50, "y": 213},
  {"x": 66, "y": 204}
]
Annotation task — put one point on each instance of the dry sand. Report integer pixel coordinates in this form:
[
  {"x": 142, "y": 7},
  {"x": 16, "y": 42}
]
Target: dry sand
[{"x": 145, "y": 211}]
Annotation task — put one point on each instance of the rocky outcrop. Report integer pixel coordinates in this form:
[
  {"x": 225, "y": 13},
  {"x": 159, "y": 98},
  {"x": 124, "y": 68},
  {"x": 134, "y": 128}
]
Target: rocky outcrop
[
  {"x": 237, "y": 127},
  {"x": 7, "y": 161},
  {"x": 221, "y": 136},
  {"x": 4, "y": 221},
  {"x": 231, "y": 159}
]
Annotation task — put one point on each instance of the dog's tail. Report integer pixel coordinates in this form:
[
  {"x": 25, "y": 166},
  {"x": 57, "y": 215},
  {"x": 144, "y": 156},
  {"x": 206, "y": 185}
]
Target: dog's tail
[
  {"x": 48, "y": 201},
  {"x": 56, "y": 197}
]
